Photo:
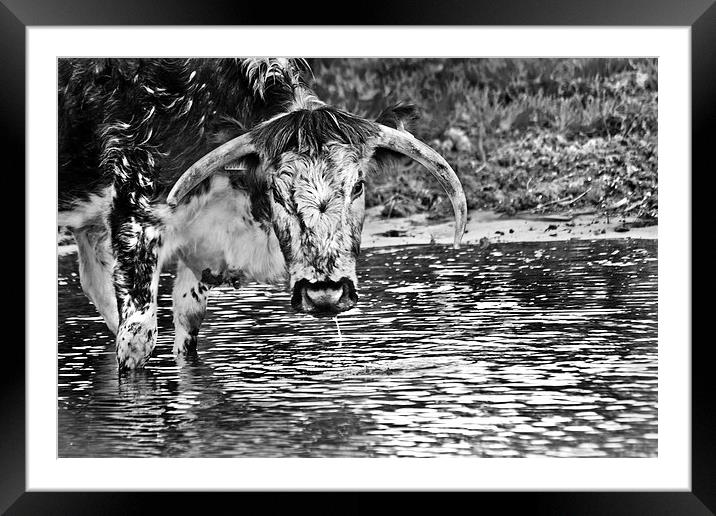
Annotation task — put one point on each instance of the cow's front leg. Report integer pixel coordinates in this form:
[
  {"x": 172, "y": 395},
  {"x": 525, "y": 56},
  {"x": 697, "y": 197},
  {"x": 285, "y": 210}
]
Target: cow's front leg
[
  {"x": 136, "y": 245},
  {"x": 189, "y": 303}
]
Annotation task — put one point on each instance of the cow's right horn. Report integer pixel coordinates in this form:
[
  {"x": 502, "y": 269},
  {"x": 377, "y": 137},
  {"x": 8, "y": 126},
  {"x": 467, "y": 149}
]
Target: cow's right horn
[{"x": 224, "y": 154}]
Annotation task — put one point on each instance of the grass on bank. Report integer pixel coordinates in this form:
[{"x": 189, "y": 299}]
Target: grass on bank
[{"x": 523, "y": 135}]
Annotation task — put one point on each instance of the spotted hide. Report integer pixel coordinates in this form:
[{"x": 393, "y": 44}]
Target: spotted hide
[{"x": 233, "y": 169}]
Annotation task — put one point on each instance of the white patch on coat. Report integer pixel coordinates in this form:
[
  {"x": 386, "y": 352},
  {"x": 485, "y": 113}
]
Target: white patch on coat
[
  {"x": 212, "y": 230},
  {"x": 96, "y": 263},
  {"x": 216, "y": 230}
]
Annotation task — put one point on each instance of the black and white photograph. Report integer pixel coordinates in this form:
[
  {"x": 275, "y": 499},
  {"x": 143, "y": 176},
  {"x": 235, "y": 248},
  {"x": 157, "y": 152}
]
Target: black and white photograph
[
  {"x": 359, "y": 257},
  {"x": 431, "y": 248}
]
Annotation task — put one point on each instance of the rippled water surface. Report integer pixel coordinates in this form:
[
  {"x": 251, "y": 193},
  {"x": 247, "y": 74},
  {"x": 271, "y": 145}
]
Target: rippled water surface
[{"x": 538, "y": 349}]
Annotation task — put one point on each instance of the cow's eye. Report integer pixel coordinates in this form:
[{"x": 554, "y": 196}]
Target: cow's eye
[{"x": 357, "y": 189}]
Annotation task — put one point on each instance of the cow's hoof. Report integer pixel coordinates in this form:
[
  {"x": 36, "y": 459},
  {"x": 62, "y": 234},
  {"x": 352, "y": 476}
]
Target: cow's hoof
[
  {"x": 135, "y": 341},
  {"x": 184, "y": 344},
  {"x": 131, "y": 363}
]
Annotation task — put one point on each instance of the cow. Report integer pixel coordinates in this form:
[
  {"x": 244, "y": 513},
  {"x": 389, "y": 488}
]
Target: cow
[{"x": 233, "y": 169}]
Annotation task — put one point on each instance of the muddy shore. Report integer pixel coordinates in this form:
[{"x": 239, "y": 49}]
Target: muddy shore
[{"x": 487, "y": 227}]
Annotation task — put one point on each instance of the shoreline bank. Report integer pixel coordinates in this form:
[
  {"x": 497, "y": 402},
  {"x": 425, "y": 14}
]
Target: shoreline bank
[
  {"x": 484, "y": 227},
  {"x": 494, "y": 228}
]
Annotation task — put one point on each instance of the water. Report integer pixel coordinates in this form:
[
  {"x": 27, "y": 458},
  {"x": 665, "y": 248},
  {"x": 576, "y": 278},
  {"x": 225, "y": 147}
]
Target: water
[{"x": 539, "y": 349}]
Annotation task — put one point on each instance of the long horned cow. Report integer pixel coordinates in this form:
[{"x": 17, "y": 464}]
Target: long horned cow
[{"x": 232, "y": 167}]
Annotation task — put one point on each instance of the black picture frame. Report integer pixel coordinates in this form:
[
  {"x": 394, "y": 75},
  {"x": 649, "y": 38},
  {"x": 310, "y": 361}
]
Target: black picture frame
[{"x": 700, "y": 15}]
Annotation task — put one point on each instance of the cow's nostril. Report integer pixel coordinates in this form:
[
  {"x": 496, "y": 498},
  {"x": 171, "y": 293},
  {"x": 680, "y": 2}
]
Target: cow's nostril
[{"x": 324, "y": 297}]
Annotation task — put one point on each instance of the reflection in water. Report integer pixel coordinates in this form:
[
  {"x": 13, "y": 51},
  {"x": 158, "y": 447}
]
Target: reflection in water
[{"x": 538, "y": 349}]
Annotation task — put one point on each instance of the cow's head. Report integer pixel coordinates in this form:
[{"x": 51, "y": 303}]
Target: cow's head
[{"x": 308, "y": 169}]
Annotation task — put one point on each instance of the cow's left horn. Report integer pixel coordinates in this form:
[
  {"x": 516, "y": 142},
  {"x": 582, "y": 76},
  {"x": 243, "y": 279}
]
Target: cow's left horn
[
  {"x": 216, "y": 159},
  {"x": 405, "y": 143}
]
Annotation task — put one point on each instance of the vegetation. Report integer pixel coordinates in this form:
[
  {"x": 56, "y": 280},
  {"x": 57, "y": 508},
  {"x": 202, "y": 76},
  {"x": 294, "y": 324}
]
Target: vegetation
[{"x": 535, "y": 135}]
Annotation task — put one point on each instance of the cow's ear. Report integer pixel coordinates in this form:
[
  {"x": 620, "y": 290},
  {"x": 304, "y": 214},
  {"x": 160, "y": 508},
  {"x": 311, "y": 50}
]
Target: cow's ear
[
  {"x": 243, "y": 172},
  {"x": 399, "y": 116},
  {"x": 258, "y": 183}
]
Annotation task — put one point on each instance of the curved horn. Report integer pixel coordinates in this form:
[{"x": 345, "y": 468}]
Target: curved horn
[
  {"x": 222, "y": 155},
  {"x": 405, "y": 143}
]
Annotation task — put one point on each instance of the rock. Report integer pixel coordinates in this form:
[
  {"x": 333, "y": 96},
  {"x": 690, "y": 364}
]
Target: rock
[
  {"x": 392, "y": 233},
  {"x": 459, "y": 139}
]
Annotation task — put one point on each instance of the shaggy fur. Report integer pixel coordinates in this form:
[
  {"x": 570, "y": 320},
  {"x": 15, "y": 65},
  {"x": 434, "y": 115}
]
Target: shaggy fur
[
  {"x": 130, "y": 127},
  {"x": 308, "y": 131}
]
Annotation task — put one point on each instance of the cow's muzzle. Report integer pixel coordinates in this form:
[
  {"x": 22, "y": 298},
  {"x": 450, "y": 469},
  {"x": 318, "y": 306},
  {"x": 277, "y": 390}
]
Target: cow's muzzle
[{"x": 324, "y": 298}]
